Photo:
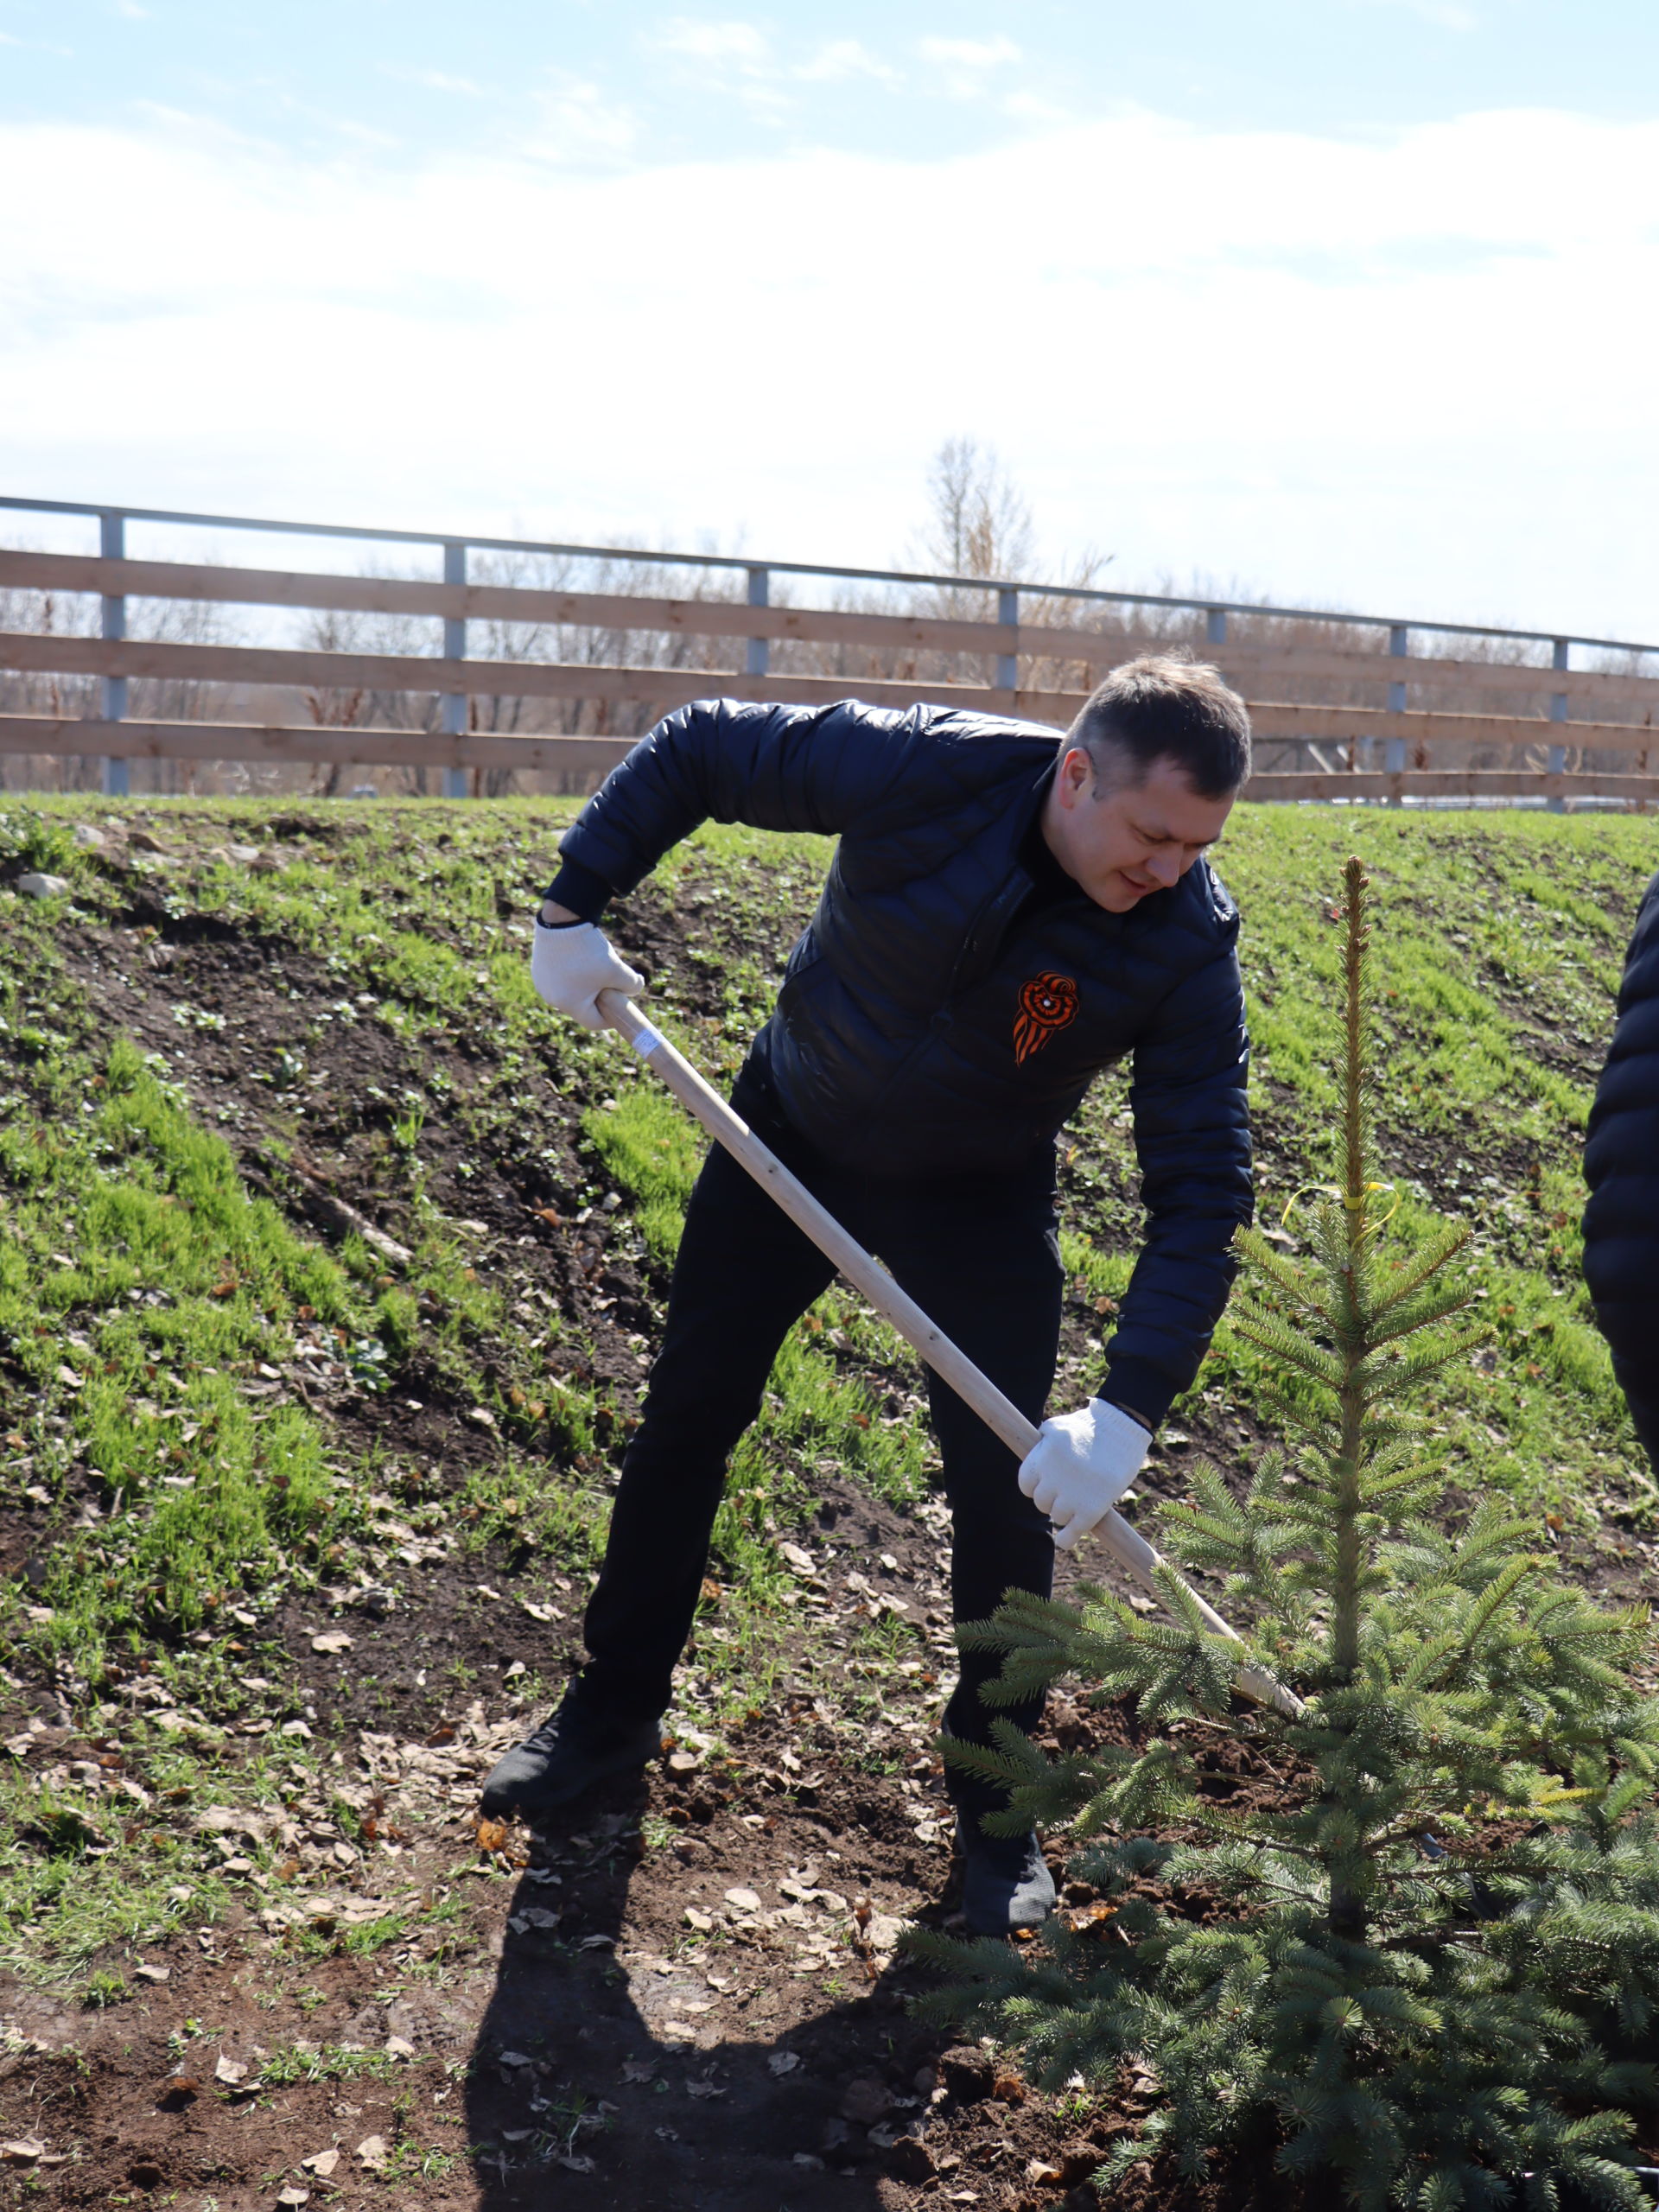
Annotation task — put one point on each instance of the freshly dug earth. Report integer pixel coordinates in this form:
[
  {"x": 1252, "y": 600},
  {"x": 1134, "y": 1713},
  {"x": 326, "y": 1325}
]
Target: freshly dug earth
[{"x": 684, "y": 1996}]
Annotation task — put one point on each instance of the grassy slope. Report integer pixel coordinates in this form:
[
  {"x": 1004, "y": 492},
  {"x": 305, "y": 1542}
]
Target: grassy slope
[{"x": 142, "y": 1284}]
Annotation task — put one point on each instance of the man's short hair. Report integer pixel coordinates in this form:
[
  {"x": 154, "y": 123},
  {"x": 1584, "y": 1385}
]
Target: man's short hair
[{"x": 1165, "y": 707}]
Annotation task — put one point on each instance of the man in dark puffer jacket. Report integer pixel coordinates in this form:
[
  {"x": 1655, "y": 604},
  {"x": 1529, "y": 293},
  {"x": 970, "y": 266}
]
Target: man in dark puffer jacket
[
  {"x": 1621, "y": 1164},
  {"x": 1006, "y": 913}
]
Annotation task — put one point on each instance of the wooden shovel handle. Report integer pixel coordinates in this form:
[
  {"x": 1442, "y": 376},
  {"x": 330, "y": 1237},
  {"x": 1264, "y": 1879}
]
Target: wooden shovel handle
[{"x": 1131, "y": 1551}]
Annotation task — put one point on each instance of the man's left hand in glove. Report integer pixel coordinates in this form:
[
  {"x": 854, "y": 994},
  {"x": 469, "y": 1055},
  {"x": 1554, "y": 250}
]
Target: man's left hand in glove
[{"x": 1081, "y": 1465}]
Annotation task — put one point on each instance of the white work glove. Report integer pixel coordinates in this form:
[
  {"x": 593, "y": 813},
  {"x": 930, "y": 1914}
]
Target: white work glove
[
  {"x": 571, "y": 966},
  {"x": 1081, "y": 1465}
]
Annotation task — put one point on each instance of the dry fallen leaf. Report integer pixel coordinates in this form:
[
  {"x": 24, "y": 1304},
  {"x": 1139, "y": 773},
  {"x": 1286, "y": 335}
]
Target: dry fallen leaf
[
  {"x": 371, "y": 2153},
  {"x": 334, "y": 1639},
  {"x": 293, "y": 2197},
  {"x": 399, "y": 2047},
  {"x": 227, "y": 2070},
  {"x": 783, "y": 2062},
  {"x": 491, "y": 1834},
  {"x": 152, "y": 1974},
  {"x": 743, "y": 1900},
  {"x": 24, "y": 2152},
  {"x": 323, "y": 2162}
]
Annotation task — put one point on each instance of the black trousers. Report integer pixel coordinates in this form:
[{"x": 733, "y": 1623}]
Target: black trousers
[{"x": 979, "y": 1254}]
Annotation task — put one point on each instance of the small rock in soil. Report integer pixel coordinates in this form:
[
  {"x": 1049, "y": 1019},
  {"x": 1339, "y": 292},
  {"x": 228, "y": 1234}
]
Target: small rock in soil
[
  {"x": 865, "y": 2100},
  {"x": 910, "y": 2160},
  {"x": 967, "y": 2074}
]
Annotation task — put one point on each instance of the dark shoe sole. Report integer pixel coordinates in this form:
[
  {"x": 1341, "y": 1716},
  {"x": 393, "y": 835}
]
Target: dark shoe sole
[{"x": 532, "y": 1802}]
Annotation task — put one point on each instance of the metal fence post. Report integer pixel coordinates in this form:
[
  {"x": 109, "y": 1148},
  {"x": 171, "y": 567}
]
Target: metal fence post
[
  {"x": 452, "y": 706},
  {"x": 1007, "y": 664},
  {"x": 1215, "y": 627},
  {"x": 1558, "y": 714},
  {"x": 757, "y": 657},
  {"x": 112, "y": 545},
  {"x": 1393, "y": 757}
]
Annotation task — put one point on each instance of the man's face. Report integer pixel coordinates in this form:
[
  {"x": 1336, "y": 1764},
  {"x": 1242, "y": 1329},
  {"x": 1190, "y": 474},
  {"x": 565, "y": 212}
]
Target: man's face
[{"x": 1131, "y": 839}]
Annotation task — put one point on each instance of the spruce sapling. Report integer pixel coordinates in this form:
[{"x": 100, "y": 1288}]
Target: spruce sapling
[{"x": 1420, "y": 1967}]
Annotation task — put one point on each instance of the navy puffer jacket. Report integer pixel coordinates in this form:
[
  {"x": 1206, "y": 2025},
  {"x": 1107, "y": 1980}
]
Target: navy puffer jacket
[
  {"x": 921, "y": 1029},
  {"x": 1621, "y": 1165}
]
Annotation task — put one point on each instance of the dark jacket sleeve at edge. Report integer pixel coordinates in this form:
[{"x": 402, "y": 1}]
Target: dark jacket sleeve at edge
[
  {"x": 1192, "y": 1133},
  {"x": 1621, "y": 1165}
]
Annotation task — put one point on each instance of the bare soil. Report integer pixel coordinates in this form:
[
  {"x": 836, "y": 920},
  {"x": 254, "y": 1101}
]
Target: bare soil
[{"x": 544, "y": 2030}]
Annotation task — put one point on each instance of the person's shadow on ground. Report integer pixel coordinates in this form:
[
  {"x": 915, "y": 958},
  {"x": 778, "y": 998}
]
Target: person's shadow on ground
[{"x": 609, "y": 2075}]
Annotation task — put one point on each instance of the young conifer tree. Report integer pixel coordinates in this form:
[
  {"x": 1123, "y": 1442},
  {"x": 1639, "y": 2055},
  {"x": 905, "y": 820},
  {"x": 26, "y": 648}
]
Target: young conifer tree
[{"x": 1426, "y": 1973}]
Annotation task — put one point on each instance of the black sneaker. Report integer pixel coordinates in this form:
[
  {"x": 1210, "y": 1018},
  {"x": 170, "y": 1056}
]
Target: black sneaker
[
  {"x": 1009, "y": 1884},
  {"x": 573, "y": 1748}
]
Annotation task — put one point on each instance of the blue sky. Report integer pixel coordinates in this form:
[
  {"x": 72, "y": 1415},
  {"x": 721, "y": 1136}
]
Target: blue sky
[
  {"x": 1342, "y": 300},
  {"x": 392, "y": 78}
]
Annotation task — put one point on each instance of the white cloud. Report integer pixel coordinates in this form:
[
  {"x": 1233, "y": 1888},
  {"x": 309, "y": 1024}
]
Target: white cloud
[
  {"x": 435, "y": 81},
  {"x": 1033, "y": 108},
  {"x": 970, "y": 52},
  {"x": 1412, "y": 373},
  {"x": 740, "y": 61},
  {"x": 728, "y": 41},
  {"x": 132, "y": 11},
  {"x": 734, "y": 59},
  {"x": 579, "y": 126},
  {"x": 841, "y": 58},
  {"x": 963, "y": 65}
]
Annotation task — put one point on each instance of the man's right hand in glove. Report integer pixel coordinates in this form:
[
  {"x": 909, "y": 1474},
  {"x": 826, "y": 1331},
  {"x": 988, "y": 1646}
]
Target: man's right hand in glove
[{"x": 572, "y": 962}]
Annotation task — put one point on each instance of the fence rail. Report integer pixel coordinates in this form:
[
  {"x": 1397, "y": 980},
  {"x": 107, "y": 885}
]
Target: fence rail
[{"x": 1467, "y": 710}]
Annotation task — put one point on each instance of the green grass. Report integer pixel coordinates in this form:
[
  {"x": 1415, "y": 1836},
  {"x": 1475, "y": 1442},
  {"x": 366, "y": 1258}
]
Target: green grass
[{"x": 143, "y": 1281}]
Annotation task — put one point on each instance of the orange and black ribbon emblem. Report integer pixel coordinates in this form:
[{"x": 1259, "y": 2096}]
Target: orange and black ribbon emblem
[{"x": 1047, "y": 1003}]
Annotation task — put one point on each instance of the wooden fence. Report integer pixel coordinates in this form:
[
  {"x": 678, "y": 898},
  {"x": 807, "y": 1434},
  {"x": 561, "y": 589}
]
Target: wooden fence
[{"x": 1332, "y": 720}]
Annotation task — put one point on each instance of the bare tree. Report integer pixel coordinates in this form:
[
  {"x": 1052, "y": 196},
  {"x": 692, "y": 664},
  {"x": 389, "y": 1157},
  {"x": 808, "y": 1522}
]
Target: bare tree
[{"x": 979, "y": 523}]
